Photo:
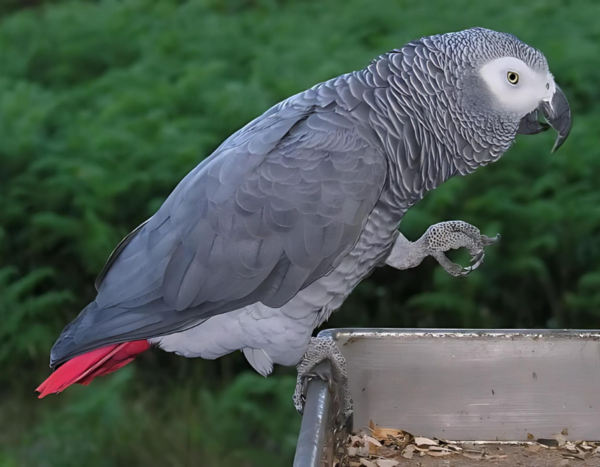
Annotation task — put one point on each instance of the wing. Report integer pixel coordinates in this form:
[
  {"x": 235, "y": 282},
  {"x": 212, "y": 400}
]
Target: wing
[{"x": 277, "y": 206}]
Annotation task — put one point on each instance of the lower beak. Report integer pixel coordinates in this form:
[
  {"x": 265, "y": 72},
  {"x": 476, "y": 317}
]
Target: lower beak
[{"x": 556, "y": 112}]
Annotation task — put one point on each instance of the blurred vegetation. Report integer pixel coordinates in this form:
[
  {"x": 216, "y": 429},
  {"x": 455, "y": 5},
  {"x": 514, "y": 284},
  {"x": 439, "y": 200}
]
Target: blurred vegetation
[{"x": 106, "y": 105}]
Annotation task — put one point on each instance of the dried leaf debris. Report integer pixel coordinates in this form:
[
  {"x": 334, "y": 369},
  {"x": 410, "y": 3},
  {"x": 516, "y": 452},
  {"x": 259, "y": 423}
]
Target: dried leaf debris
[{"x": 388, "y": 447}]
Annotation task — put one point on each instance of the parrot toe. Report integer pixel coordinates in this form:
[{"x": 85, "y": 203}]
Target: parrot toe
[{"x": 319, "y": 350}]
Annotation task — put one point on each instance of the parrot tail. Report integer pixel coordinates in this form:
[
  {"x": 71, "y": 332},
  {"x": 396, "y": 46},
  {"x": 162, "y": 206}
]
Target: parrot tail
[{"x": 84, "y": 368}]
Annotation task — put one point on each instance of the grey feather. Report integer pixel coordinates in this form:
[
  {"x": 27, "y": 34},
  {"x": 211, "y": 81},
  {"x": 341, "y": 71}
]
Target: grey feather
[
  {"x": 238, "y": 233},
  {"x": 259, "y": 360},
  {"x": 284, "y": 200}
]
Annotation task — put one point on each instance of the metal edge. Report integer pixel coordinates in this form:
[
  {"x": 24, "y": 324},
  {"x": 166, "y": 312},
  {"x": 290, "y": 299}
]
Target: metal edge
[
  {"x": 350, "y": 333},
  {"x": 315, "y": 418}
]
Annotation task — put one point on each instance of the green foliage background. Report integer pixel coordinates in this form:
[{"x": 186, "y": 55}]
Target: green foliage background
[{"x": 106, "y": 105}]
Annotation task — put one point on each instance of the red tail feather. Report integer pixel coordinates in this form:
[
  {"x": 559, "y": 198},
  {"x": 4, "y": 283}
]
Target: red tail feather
[{"x": 84, "y": 368}]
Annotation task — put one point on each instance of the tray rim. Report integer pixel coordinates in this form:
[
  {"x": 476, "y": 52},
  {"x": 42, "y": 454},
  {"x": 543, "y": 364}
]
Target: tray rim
[
  {"x": 320, "y": 400},
  {"x": 460, "y": 333}
]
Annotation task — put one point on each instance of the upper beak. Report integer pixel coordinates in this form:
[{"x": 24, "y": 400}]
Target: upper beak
[{"x": 556, "y": 112}]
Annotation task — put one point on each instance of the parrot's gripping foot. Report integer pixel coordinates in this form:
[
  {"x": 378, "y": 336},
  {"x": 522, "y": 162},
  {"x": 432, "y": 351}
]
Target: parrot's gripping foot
[
  {"x": 320, "y": 349},
  {"x": 438, "y": 239}
]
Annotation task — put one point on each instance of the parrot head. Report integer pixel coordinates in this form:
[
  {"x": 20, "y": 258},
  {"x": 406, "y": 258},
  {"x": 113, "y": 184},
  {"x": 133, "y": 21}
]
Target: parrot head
[
  {"x": 494, "y": 87},
  {"x": 526, "y": 88}
]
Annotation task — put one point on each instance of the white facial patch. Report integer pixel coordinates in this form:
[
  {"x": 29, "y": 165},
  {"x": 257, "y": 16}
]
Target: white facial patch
[{"x": 522, "y": 96}]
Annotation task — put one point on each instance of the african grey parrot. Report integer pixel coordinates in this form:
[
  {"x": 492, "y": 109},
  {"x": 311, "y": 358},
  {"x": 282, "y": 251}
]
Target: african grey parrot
[{"x": 264, "y": 239}]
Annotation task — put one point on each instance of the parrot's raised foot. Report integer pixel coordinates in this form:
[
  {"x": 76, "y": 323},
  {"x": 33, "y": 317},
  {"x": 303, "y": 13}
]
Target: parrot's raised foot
[
  {"x": 320, "y": 349},
  {"x": 438, "y": 239},
  {"x": 452, "y": 235}
]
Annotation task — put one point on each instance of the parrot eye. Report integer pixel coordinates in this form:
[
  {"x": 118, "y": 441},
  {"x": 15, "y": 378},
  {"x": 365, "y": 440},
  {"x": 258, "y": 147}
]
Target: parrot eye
[{"x": 513, "y": 78}]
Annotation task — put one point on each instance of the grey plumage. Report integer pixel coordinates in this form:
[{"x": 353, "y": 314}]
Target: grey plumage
[
  {"x": 287, "y": 199},
  {"x": 273, "y": 209}
]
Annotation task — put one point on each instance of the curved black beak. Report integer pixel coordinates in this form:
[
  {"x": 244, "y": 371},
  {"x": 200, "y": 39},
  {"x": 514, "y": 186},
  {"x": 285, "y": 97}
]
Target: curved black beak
[{"x": 556, "y": 112}]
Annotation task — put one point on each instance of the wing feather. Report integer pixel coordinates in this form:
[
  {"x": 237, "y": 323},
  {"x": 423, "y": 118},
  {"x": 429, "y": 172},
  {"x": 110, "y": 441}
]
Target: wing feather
[{"x": 277, "y": 206}]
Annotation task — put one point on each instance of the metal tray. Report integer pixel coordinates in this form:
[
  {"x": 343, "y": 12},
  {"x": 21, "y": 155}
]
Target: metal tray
[{"x": 468, "y": 385}]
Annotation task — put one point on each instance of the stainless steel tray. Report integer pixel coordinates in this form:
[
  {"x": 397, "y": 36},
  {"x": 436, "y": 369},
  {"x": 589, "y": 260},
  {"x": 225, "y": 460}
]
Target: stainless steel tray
[{"x": 469, "y": 385}]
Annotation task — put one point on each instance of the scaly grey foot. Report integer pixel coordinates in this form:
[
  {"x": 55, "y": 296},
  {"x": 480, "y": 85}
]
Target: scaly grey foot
[
  {"x": 438, "y": 239},
  {"x": 319, "y": 349}
]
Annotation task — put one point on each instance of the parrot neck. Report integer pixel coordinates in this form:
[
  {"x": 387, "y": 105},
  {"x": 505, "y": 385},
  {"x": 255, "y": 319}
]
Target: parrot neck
[
  {"x": 418, "y": 160},
  {"x": 421, "y": 127}
]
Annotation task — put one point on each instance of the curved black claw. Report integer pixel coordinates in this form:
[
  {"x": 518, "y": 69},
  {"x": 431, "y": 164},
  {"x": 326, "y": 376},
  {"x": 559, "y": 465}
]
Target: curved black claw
[
  {"x": 322, "y": 372},
  {"x": 477, "y": 258},
  {"x": 490, "y": 240}
]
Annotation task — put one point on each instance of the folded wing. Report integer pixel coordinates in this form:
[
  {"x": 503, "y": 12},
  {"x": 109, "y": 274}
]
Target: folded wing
[{"x": 277, "y": 206}]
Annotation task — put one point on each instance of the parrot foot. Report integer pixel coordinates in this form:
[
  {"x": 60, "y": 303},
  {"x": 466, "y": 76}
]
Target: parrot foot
[
  {"x": 438, "y": 239},
  {"x": 320, "y": 349}
]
